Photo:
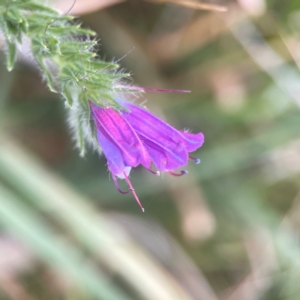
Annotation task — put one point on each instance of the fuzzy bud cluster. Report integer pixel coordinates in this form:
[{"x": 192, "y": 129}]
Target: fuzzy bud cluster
[{"x": 66, "y": 55}]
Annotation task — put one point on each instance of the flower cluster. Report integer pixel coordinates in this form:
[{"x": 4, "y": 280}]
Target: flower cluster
[{"x": 134, "y": 136}]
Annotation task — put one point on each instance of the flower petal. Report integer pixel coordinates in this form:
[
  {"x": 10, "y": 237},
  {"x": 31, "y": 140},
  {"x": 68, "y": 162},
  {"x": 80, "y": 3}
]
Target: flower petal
[
  {"x": 192, "y": 141},
  {"x": 118, "y": 131},
  {"x": 143, "y": 120},
  {"x": 166, "y": 160},
  {"x": 167, "y": 142},
  {"x": 112, "y": 153}
]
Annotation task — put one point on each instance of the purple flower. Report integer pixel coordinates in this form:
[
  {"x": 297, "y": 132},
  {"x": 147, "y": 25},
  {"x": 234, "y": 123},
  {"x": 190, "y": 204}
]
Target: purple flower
[{"x": 137, "y": 137}]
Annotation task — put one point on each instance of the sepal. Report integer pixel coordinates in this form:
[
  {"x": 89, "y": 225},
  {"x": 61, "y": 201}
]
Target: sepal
[{"x": 48, "y": 76}]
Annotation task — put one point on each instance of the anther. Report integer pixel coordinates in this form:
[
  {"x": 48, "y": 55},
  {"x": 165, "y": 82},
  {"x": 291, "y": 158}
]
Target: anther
[
  {"x": 196, "y": 160},
  {"x": 183, "y": 172}
]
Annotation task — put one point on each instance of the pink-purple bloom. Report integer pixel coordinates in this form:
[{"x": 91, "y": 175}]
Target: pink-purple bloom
[{"x": 134, "y": 136}]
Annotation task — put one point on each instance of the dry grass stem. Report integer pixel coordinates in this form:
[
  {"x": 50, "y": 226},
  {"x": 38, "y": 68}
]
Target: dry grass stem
[{"x": 193, "y": 5}]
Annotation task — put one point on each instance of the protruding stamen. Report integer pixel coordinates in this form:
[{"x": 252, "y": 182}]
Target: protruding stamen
[
  {"x": 183, "y": 172},
  {"x": 118, "y": 187},
  {"x": 133, "y": 191},
  {"x": 145, "y": 89},
  {"x": 196, "y": 160},
  {"x": 154, "y": 172}
]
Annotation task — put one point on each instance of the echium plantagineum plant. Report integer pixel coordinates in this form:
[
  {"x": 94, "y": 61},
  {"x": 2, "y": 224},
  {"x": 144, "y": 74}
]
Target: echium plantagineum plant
[{"x": 94, "y": 92}]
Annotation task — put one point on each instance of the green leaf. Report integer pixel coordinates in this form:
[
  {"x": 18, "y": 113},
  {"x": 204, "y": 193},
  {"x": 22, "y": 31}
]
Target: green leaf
[
  {"x": 71, "y": 29},
  {"x": 35, "y": 7},
  {"x": 11, "y": 54}
]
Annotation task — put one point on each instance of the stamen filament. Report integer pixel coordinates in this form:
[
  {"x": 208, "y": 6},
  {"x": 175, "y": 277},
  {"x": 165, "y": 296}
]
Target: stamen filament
[
  {"x": 133, "y": 192},
  {"x": 154, "y": 172},
  {"x": 118, "y": 187},
  {"x": 196, "y": 160},
  {"x": 183, "y": 172}
]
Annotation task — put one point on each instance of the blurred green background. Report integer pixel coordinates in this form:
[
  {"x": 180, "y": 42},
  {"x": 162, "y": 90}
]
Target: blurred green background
[{"x": 229, "y": 230}]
